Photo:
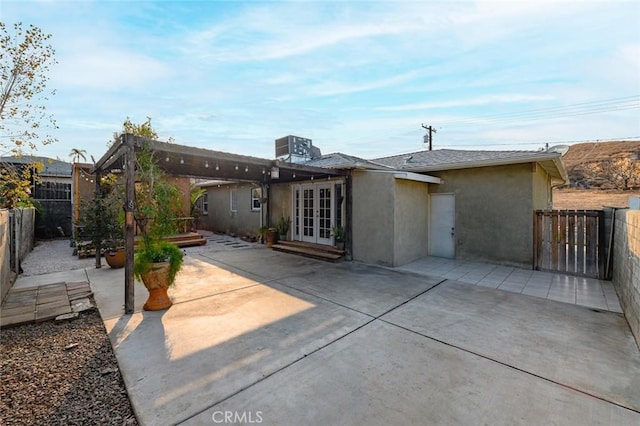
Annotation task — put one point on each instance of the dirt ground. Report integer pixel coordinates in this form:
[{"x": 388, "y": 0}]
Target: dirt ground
[{"x": 590, "y": 199}]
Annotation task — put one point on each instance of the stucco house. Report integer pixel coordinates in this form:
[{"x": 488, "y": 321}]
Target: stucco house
[{"x": 471, "y": 205}]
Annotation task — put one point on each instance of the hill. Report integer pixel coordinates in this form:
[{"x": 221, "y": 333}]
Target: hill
[
  {"x": 604, "y": 165},
  {"x": 596, "y": 173}
]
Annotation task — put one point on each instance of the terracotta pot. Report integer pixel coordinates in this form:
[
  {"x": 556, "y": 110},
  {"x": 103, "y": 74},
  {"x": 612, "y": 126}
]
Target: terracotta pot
[
  {"x": 116, "y": 259},
  {"x": 272, "y": 238},
  {"x": 157, "y": 283}
]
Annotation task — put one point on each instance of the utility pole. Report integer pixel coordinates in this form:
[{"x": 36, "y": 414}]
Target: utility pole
[{"x": 429, "y": 137}]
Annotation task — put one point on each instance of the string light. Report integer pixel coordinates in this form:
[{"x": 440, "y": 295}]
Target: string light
[
  {"x": 263, "y": 171},
  {"x": 246, "y": 169},
  {"x": 217, "y": 167},
  {"x": 236, "y": 167},
  {"x": 206, "y": 164},
  {"x": 167, "y": 159},
  {"x": 181, "y": 160}
]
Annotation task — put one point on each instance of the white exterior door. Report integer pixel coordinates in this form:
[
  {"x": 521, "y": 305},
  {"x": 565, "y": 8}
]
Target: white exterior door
[
  {"x": 313, "y": 206},
  {"x": 308, "y": 217},
  {"x": 442, "y": 226}
]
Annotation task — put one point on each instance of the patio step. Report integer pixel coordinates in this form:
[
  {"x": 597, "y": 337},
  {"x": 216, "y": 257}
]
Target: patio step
[
  {"x": 315, "y": 251},
  {"x": 85, "y": 249},
  {"x": 187, "y": 239}
]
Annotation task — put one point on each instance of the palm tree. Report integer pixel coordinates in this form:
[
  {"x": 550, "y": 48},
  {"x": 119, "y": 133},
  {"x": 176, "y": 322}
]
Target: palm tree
[{"x": 77, "y": 154}]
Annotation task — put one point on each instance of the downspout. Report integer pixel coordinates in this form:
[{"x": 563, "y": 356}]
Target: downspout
[{"x": 348, "y": 240}]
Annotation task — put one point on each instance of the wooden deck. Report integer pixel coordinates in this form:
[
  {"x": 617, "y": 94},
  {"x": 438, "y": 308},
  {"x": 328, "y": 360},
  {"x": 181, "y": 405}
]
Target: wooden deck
[
  {"x": 315, "y": 251},
  {"x": 187, "y": 239}
]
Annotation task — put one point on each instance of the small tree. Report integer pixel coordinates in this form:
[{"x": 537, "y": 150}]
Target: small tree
[
  {"x": 16, "y": 182},
  {"x": 619, "y": 173},
  {"x": 25, "y": 58}
]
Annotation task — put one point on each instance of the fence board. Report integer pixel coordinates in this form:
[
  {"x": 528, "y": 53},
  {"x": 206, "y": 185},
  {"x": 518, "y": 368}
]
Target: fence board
[
  {"x": 568, "y": 241},
  {"x": 571, "y": 249},
  {"x": 562, "y": 243},
  {"x": 580, "y": 241},
  {"x": 591, "y": 248}
]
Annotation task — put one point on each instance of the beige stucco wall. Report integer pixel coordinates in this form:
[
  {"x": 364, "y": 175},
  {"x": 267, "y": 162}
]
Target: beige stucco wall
[
  {"x": 390, "y": 219},
  {"x": 411, "y": 221},
  {"x": 626, "y": 266},
  {"x": 494, "y": 211},
  {"x": 220, "y": 218},
  {"x": 542, "y": 194},
  {"x": 373, "y": 217},
  {"x": 280, "y": 204}
]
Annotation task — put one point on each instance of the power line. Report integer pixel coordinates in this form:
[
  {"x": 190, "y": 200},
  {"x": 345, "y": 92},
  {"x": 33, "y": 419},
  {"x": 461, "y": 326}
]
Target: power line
[
  {"x": 622, "y": 139},
  {"x": 609, "y": 105}
]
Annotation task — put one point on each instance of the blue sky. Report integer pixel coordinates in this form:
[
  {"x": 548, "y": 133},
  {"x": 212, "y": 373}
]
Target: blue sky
[{"x": 356, "y": 77}]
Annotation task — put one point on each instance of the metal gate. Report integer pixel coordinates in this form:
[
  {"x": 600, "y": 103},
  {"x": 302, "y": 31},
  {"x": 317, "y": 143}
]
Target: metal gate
[{"x": 570, "y": 241}]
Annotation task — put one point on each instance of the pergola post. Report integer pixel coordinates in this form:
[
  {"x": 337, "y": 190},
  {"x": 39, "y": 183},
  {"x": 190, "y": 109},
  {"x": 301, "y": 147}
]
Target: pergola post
[
  {"x": 98, "y": 194},
  {"x": 130, "y": 182}
]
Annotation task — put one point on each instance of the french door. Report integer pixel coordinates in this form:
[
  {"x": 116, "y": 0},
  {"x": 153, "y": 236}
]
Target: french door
[{"x": 313, "y": 207}]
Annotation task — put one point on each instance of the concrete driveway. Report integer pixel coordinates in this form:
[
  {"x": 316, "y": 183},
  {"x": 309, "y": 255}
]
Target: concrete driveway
[{"x": 257, "y": 336}]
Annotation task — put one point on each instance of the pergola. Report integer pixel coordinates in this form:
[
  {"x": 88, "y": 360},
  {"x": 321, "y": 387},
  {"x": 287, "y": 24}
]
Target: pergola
[{"x": 185, "y": 161}]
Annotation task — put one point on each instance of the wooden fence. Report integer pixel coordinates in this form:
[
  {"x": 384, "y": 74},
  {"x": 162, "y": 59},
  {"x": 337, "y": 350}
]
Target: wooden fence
[{"x": 570, "y": 241}]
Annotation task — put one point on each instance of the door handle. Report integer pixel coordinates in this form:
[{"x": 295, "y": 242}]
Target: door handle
[{"x": 453, "y": 232}]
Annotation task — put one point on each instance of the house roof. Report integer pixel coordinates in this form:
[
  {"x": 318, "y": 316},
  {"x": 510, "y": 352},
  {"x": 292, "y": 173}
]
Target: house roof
[
  {"x": 52, "y": 168},
  {"x": 338, "y": 160},
  {"x": 187, "y": 161},
  {"x": 448, "y": 159}
]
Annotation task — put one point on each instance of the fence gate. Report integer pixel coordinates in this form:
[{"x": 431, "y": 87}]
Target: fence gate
[{"x": 570, "y": 241}]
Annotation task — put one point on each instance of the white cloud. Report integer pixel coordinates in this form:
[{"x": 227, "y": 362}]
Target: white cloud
[{"x": 109, "y": 69}]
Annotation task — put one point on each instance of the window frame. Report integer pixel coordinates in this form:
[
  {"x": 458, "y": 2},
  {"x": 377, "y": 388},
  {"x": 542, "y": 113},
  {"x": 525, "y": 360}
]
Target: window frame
[{"x": 256, "y": 200}]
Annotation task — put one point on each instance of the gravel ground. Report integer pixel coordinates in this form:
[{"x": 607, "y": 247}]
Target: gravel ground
[
  {"x": 61, "y": 373},
  {"x": 54, "y": 256}
]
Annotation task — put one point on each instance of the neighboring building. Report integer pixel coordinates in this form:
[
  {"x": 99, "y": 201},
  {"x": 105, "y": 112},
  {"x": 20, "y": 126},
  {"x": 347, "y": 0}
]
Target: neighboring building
[{"x": 52, "y": 193}]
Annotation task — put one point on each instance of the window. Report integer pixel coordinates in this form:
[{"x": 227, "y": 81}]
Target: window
[
  {"x": 204, "y": 200},
  {"x": 234, "y": 200},
  {"x": 256, "y": 195},
  {"x": 52, "y": 191}
]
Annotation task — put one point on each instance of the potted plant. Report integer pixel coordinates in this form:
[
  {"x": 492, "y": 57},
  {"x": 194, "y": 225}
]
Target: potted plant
[
  {"x": 283, "y": 227},
  {"x": 262, "y": 232},
  {"x": 338, "y": 236},
  {"x": 157, "y": 207},
  {"x": 101, "y": 223},
  {"x": 272, "y": 236},
  {"x": 114, "y": 251}
]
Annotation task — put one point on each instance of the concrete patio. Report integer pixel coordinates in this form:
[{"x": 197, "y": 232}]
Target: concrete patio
[{"x": 257, "y": 336}]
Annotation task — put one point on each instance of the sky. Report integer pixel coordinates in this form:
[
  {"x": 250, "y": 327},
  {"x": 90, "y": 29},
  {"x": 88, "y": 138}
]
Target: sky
[{"x": 358, "y": 77}]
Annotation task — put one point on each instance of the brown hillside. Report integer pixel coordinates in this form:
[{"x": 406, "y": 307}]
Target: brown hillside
[
  {"x": 588, "y": 189},
  {"x": 585, "y": 161},
  {"x": 598, "y": 151}
]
